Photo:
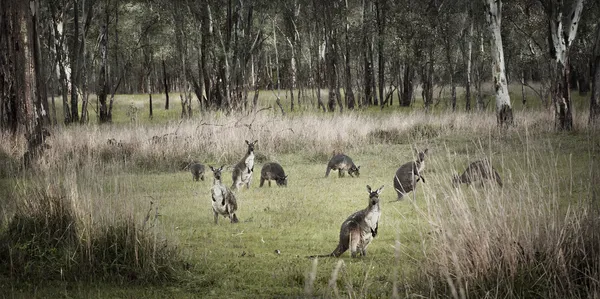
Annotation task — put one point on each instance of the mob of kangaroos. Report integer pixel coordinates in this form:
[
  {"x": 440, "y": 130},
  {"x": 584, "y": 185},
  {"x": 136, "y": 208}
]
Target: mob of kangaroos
[
  {"x": 359, "y": 229},
  {"x": 242, "y": 171},
  {"x": 479, "y": 171},
  {"x": 409, "y": 174},
  {"x": 223, "y": 200},
  {"x": 342, "y": 163},
  {"x": 273, "y": 171}
]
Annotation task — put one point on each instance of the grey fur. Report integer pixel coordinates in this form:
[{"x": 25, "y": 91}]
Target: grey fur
[
  {"x": 197, "y": 171},
  {"x": 359, "y": 229},
  {"x": 478, "y": 171},
  {"x": 273, "y": 171},
  {"x": 223, "y": 200},
  {"x": 409, "y": 174},
  {"x": 342, "y": 163},
  {"x": 243, "y": 170}
]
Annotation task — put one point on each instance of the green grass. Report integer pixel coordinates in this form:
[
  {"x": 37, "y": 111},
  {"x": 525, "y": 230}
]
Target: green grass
[{"x": 226, "y": 261}]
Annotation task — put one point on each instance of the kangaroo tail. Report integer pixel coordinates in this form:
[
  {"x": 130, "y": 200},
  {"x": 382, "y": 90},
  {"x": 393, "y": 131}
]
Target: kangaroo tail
[
  {"x": 336, "y": 252},
  {"x": 498, "y": 179}
]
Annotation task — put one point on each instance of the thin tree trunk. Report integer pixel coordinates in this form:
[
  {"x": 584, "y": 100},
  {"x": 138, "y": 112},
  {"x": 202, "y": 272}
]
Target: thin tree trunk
[
  {"x": 367, "y": 57},
  {"x": 103, "y": 80},
  {"x": 595, "y": 97},
  {"x": 75, "y": 64},
  {"x": 504, "y": 113},
  {"x": 381, "y": 8},
  {"x": 469, "y": 63},
  {"x": 165, "y": 85}
]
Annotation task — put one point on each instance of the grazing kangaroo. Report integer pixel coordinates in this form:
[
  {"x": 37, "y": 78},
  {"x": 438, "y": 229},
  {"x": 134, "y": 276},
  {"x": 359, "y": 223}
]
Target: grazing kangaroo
[
  {"x": 242, "y": 171},
  {"x": 342, "y": 163},
  {"x": 273, "y": 171},
  {"x": 197, "y": 170},
  {"x": 409, "y": 174},
  {"x": 478, "y": 171},
  {"x": 223, "y": 200},
  {"x": 360, "y": 228}
]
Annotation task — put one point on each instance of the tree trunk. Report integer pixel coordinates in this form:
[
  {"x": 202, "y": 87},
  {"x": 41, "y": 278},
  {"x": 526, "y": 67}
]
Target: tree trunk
[
  {"x": 75, "y": 64},
  {"x": 469, "y": 63},
  {"x": 381, "y": 9},
  {"x": 504, "y": 114},
  {"x": 408, "y": 86},
  {"x": 103, "y": 80},
  {"x": 561, "y": 37},
  {"x": 165, "y": 84},
  {"x": 595, "y": 98},
  {"x": 349, "y": 93},
  {"x": 41, "y": 97},
  {"x": 367, "y": 61}
]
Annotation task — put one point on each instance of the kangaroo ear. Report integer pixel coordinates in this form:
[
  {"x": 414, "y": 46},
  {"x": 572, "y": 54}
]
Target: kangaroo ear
[
  {"x": 380, "y": 189},
  {"x": 247, "y": 142},
  {"x": 255, "y": 141},
  {"x": 285, "y": 177},
  {"x": 358, "y": 167},
  {"x": 211, "y": 168},
  {"x": 221, "y": 167},
  {"x": 369, "y": 189},
  {"x": 425, "y": 151}
]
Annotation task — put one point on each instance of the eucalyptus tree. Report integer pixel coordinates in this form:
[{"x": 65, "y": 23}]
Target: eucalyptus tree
[
  {"x": 563, "y": 20},
  {"x": 493, "y": 10}
]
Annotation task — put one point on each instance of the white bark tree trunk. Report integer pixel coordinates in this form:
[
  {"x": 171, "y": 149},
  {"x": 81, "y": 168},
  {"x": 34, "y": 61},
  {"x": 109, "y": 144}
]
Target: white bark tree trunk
[
  {"x": 503, "y": 106},
  {"x": 562, "y": 37}
]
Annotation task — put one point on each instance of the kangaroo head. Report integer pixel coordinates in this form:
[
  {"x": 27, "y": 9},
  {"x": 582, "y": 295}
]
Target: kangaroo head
[
  {"x": 251, "y": 145},
  {"x": 374, "y": 195},
  {"x": 455, "y": 180},
  {"x": 355, "y": 170},
  {"x": 282, "y": 181},
  {"x": 216, "y": 172},
  {"x": 421, "y": 155}
]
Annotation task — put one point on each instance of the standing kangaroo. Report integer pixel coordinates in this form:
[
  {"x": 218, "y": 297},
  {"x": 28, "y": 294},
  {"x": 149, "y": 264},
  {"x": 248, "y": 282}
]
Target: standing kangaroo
[
  {"x": 242, "y": 171},
  {"x": 223, "y": 200},
  {"x": 478, "y": 171},
  {"x": 409, "y": 174},
  {"x": 273, "y": 171},
  {"x": 342, "y": 163},
  {"x": 197, "y": 171},
  {"x": 359, "y": 229}
]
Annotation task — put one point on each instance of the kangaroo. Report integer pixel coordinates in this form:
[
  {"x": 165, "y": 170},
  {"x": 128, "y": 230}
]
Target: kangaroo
[
  {"x": 242, "y": 171},
  {"x": 409, "y": 174},
  {"x": 223, "y": 200},
  {"x": 273, "y": 171},
  {"x": 197, "y": 171},
  {"x": 342, "y": 163},
  {"x": 478, "y": 171},
  {"x": 359, "y": 229}
]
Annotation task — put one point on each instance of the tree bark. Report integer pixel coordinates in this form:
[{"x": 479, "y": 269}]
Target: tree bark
[
  {"x": 367, "y": 56},
  {"x": 75, "y": 64},
  {"x": 103, "y": 80},
  {"x": 469, "y": 63},
  {"x": 165, "y": 84},
  {"x": 595, "y": 97},
  {"x": 504, "y": 113},
  {"x": 561, "y": 37},
  {"x": 349, "y": 93},
  {"x": 381, "y": 8}
]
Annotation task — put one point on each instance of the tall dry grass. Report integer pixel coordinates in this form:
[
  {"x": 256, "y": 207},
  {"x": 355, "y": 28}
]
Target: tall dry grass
[
  {"x": 537, "y": 237},
  {"x": 69, "y": 223},
  {"x": 215, "y": 138}
]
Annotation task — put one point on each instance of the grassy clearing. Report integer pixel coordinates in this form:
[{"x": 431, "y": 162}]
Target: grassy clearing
[{"x": 518, "y": 241}]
